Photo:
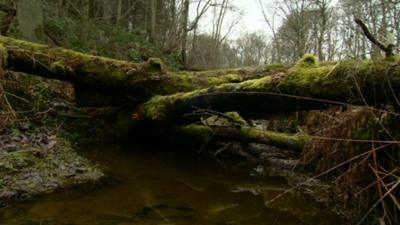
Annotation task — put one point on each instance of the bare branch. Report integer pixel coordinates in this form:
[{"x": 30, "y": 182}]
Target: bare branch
[{"x": 387, "y": 49}]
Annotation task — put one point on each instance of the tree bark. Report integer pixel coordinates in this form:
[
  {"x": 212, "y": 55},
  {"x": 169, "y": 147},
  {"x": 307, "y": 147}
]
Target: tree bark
[
  {"x": 174, "y": 94},
  {"x": 185, "y": 19},
  {"x": 5, "y": 24},
  {"x": 88, "y": 70},
  {"x": 103, "y": 81},
  {"x": 247, "y": 135},
  {"x": 153, "y": 23},
  {"x": 303, "y": 87}
]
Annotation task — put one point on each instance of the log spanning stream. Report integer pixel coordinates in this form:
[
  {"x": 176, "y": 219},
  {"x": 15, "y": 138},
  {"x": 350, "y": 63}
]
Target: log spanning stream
[{"x": 168, "y": 187}]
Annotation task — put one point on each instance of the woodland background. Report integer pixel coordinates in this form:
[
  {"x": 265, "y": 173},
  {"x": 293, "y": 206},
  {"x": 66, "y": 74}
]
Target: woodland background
[{"x": 138, "y": 29}]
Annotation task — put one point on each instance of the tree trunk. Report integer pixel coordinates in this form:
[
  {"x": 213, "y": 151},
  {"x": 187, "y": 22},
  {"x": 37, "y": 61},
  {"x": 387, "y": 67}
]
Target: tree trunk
[
  {"x": 85, "y": 12},
  {"x": 119, "y": 12},
  {"x": 10, "y": 13},
  {"x": 185, "y": 18},
  {"x": 153, "y": 21},
  {"x": 121, "y": 82},
  {"x": 303, "y": 87},
  {"x": 247, "y": 135}
]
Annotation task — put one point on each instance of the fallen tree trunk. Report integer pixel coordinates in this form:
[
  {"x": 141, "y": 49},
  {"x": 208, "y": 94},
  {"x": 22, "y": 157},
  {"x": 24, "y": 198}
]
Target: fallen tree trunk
[
  {"x": 68, "y": 65},
  {"x": 173, "y": 82},
  {"x": 303, "y": 87},
  {"x": 103, "y": 81},
  {"x": 247, "y": 135},
  {"x": 279, "y": 89},
  {"x": 213, "y": 126}
]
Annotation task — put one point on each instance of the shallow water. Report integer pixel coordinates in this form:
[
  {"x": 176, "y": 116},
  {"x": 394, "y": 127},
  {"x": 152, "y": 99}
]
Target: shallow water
[{"x": 169, "y": 187}]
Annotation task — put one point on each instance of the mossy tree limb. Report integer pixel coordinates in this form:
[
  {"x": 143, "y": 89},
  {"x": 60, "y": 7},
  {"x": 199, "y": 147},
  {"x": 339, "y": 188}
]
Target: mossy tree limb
[
  {"x": 354, "y": 82},
  {"x": 80, "y": 68},
  {"x": 388, "y": 49},
  {"x": 121, "y": 82},
  {"x": 246, "y": 135},
  {"x": 175, "y": 82}
]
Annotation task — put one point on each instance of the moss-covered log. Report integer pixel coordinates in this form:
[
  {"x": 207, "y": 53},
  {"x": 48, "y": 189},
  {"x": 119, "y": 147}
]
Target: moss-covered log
[
  {"x": 80, "y": 68},
  {"x": 175, "y": 82},
  {"x": 228, "y": 127},
  {"x": 246, "y": 135},
  {"x": 103, "y": 81},
  {"x": 305, "y": 86}
]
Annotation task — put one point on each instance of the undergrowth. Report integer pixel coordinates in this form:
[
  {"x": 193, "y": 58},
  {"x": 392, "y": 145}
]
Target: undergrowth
[
  {"x": 357, "y": 149},
  {"x": 107, "y": 40}
]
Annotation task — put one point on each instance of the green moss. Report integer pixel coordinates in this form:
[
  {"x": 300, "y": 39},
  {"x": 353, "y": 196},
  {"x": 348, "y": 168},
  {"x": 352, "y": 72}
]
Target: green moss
[
  {"x": 180, "y": 83},
  {"x": 11, "y": 42},
  {"x": 235, "y": 116},
  {"x": 316, "y": 80},
  {"x": 199, "y": 131},
  {"x": 58, "y": 67},
  {"x": 157, "y": 106},
  {"x": 222, "y": 121},
  {"x": 308, "y": 60},
  {"x": 395, "y": 58},
  {"x": 232, "y": 78},
  {"x": 185, "y": 81},
  {"x": 217, "y": 80},
  {"x": 296, "y": 141},
  {"x": 303, "y": 77},
  {"x": 293, "y": 141},
  {"x": 271, "y": 67},
  {"x": 188, "y": 95},
  {"x": 14, "y": 161},
  {"x": 89, "y": 68},
  {"x": 367, "y": 74},
  {"x": 256, "y": 84},
  {"x": 156, "y": 64}
]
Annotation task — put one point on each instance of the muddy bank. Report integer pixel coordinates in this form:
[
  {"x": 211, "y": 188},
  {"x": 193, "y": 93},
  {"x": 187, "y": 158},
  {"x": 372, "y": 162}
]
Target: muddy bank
[
  {"x": 35, "y": 160},
  {"x": 39, "y": 128}
]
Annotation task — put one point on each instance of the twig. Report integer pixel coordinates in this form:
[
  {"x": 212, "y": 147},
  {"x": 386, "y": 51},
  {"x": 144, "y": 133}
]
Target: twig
[
  {"x": 355, "y": 140},
  {"x": 324, "y": 173},
  {"x": 377, "y": 202}
]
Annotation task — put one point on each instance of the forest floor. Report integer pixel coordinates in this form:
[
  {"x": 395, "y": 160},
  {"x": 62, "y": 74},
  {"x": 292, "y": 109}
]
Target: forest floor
[
  {"x": 38, "y": 146},
  {"x": 34, "y": 159}
]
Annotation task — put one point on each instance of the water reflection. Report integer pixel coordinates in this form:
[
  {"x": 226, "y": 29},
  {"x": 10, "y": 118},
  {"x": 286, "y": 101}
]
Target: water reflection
[{"x": 167, "y": 187}]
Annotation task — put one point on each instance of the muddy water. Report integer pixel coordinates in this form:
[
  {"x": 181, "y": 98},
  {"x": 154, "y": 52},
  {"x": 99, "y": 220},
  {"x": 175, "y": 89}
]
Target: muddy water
[{"x": 166, "y": 187}]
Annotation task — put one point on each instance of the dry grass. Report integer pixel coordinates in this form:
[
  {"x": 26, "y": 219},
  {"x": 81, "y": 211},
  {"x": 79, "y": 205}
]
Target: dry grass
[{"x": 368, "y": 172}]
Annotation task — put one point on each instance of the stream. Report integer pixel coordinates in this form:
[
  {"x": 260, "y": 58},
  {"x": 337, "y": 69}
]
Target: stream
[{"x": 169, "y": 187}]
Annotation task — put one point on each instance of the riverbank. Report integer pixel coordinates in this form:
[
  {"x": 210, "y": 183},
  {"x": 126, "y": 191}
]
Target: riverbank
[
  {"x": 35, "y": 161},
  {"x": 39, "y": 131}
]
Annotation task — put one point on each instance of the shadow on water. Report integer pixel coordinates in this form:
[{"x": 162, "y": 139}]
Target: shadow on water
[{"x": 169, "y": 187}]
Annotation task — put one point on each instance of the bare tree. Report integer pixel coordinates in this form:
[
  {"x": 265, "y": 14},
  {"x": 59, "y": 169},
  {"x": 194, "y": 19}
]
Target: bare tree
[{"x": 270, "y": 21}]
